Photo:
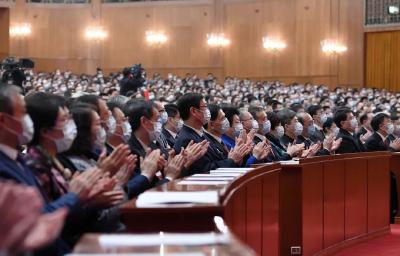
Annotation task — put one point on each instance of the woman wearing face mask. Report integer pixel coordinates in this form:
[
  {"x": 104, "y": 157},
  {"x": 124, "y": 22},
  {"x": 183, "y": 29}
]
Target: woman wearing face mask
[
  {"x": 91, "y": 137},
  {"x": 123, "y": 129},
  {"x": 54, "y": 133}
]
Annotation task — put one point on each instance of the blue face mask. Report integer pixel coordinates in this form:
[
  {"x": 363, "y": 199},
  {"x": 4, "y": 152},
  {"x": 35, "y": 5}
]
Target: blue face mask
[
  {"x": 266, "y": 127},
  {"x": 311, "y": 130},
  {"x": 163, "y": 117}
]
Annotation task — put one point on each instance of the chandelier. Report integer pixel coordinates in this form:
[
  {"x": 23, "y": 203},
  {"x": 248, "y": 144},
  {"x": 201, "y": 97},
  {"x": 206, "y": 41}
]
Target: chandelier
[
  {"x": 96, "y": 33},
  {"x": 156, "y": 37},
  {"x": 273, "y": 45},
  {"x": 217, "y": 40},
  {"x": 331, "y": 48},
  {"x": 21, "y": 30}
]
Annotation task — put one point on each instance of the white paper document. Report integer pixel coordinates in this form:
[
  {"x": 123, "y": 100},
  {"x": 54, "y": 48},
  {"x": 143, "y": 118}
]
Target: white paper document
[
  {"x": 235, "y": 169},
  {"x": 203, "y": 182},
  {"x": 210, "y": 178},
  {"x": 188, "y": 239},
  {"x": 153, "y": 198},
  {"x": 289, "y": 162}
]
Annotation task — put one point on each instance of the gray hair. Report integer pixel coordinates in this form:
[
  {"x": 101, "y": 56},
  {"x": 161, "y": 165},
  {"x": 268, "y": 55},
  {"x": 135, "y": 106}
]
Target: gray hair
[{"x": 6, "y": 97}]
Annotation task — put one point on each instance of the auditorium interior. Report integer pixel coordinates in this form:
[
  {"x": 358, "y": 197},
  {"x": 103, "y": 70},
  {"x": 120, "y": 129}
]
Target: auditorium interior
[{"x": 200, "y": 127}]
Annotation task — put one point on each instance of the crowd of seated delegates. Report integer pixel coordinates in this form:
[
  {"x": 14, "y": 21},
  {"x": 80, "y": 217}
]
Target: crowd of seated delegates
[{"x": 81, "y": 154}]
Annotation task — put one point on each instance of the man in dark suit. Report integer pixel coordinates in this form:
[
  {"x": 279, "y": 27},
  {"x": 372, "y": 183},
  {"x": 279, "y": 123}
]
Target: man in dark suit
[
  {"x": 172, "y": 126},
  {"x": 146, "y": 129},
  {"x": 379, "y": 140},
  {"x": 292, "y": 126},
  {"x": 195, "y": 113},
  {"x": 365, "y": 121},
  {"x": 319, "y": 117},
  {"x": 347, "y": 123}
]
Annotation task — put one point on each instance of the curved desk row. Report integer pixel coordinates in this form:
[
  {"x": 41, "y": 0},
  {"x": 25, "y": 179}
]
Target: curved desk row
[{"x": 316, "y": 206}]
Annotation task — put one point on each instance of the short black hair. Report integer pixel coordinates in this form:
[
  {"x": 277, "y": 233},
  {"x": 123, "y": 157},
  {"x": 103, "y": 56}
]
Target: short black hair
[
  {"x": 214, "y": 110},
  {"x": 171, "y": 109},
  {"x": 89, "y": 99},
  {"x": 286, "y": 116},
  {"x": 328, "y": 124},
  {"x": 313, "y": 109},
  {"x": 296, "y": 107},
  {"x": 43, "y": 109},
  {"x": 186, "y": 102},
  {"x": 253, "y": 110},
  {"x": 137, "y": 108},
  {"x": 274, "y": 119},
  {"x": 341, "y": 115},
  {"x": 230, "y": 111},
  {"x": 378, "y": 120},
  {"x": 363, "y": 118}
]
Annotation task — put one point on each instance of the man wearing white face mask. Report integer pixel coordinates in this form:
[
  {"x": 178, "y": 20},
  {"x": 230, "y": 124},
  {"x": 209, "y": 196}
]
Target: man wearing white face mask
[
  {"x": 292, "y": 126},
  {"x": 379, "y": 140},
  {"x": 347, "y": 123},
  {"x": 217, "y": 126},
  {"x": 195, "y": 113},
  {"x": 319, "y": 117},
  {"x": 144, "y": 120},
  {"x": 173, "y": 125}
]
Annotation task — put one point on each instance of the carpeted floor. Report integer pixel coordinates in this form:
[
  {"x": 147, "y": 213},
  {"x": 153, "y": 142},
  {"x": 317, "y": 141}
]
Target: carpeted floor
[{"x": 388, "y": 245}]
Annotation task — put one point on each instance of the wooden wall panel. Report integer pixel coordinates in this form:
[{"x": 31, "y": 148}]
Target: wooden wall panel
[
  {"x": 383, "y": 60},
  {"x": 302, "y": 24},
  {"x": 4, "y": 32}
]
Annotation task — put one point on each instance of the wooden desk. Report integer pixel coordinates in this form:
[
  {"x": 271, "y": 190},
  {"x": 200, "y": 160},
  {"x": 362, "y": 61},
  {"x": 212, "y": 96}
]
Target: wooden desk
[
  {"x": 89, "y": 243},
  {"x": 395, "y": 168},
  {"x": 327, "y": 203},
  {"x": 249, "y": 206}
]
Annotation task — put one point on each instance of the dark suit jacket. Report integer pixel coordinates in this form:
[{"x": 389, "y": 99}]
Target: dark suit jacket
[
  {"x": 211, "y": 160},
  {"x": 279, "y": 152},
  {"x": 361, "y": 132},
  {"x": 350, "y": 143},
  {"x": 307, "y": 143},
  {"x": 286, "y": 140},
  {"x": 167, "y": 136},
  {"x": 318, "y": 136},
  {"x": 220, "y": 148},
  {"x": 139, "y": 183},
  {"x": 375, "y": 143}
]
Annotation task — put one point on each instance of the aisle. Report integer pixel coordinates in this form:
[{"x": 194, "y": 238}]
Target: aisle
[{"x": 388, "y": 245}]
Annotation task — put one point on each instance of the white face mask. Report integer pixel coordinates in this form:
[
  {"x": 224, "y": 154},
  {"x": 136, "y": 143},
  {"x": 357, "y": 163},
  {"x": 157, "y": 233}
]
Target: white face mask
[
  {"x": 111, "y": 125},
  {"x": 207, "y": 116},
  {"x": 179, "y": 125},
  {"x": 335, "y": 131},
  {"x": 126, "y": 131},
  {"x": 238, "y": 129},
  {"x": 70, "y": 134},
  {"x": 254, "y": 125},
  {"x": 354, "y": 123},
  {"x": 101, "y": 138},
  {"x": 298, "y": 129},
  {"x": 280, "y": 131},
  {"x": 163, "y": 117},
  {"x": 390, "y": 129},
  {"x": 323, "y": 118},
  {"x": 266, "y": 127},
  {"x": 27, "y": 129},
  {"x": 225, "y": 126},
  {"x": 155, "y": 134}
]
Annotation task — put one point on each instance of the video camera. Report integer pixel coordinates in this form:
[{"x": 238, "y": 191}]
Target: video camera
[
  {"x": 14, "y": 70},
  {"x": 137, "y": 71}
]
